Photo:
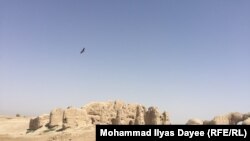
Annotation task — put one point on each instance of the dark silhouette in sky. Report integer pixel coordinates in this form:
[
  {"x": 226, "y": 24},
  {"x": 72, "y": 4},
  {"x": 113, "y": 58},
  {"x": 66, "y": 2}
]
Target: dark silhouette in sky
[{"x": 82, "y": 50}]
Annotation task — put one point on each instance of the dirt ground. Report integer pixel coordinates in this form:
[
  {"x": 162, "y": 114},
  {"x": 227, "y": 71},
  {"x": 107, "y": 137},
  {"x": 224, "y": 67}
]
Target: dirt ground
[{"x": 15, "y": 129}]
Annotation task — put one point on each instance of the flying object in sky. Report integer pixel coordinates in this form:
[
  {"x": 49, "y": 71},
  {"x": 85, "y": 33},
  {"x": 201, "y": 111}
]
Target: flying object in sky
[{"x": 82, "y": 50}]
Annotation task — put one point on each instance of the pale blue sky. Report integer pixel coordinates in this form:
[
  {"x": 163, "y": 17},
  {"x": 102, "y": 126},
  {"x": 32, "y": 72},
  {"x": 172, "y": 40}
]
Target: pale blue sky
[{"x": 190, "y": 58}]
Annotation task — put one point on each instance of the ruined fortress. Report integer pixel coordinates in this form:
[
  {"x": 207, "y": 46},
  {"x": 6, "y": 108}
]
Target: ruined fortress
[{"x": 118, "y": 112}]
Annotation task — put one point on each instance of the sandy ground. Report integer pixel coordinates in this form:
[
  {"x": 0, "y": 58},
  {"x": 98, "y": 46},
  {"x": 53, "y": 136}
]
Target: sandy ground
[{"x": 15, "y": 129}]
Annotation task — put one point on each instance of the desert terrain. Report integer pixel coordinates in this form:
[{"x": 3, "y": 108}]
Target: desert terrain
[
  {"x": 77, "y": 124},
  {"x": 16, "y": 129}
]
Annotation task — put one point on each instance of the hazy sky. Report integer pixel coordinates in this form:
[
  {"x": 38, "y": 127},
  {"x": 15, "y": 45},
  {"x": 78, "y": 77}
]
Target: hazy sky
[{"x": 190, "y": 58}]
